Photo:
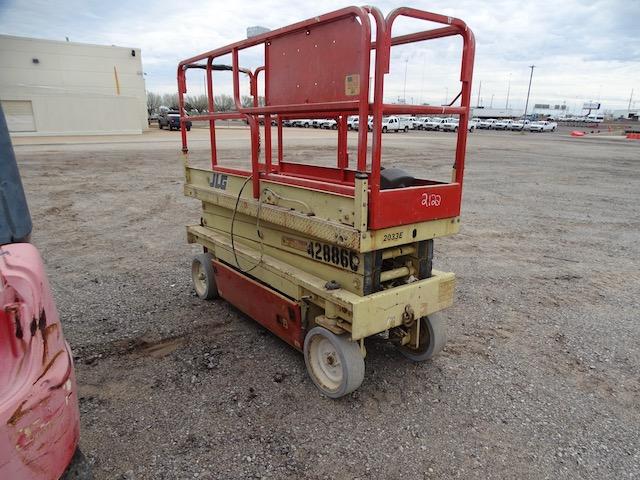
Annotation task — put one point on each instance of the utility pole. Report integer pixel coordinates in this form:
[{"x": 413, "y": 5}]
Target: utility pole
[
  {"x": 491, "y": 104},
  {"x": 526, "y": 105},
  {"x": 508, "y": 92},
  {"x": 404, "y": 95},
  {"x": 479, "y": 88},
  {"x": 630, "y": 98}
]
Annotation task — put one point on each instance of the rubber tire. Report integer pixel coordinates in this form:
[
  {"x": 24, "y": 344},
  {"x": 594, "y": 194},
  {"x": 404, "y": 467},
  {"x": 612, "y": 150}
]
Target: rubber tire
[
  {"x": 384, "y": 129},
  {"x": 334, "y": 127},
  {"x": 170, "y": 128},
  {"x": 350, "y": 357},
  {"x": 211, "y": 290},
  {"x": 188, "y": 129},
  {"x": 79, "y": 468},
  {"x": 436, "y": 326},
  {"x": 455, "y": 130},
  {"x": 406, "y": 129},
  {"x": 160, "y": 126}
]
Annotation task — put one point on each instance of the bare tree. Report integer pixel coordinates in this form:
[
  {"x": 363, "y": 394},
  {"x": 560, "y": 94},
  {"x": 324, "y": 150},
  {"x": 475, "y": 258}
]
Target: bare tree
[
  {"x": 247, "y": 101},
  {"x": 197, "y": 102},
  {"x": 153, "y": 102},
  {"x": 223, "y": 103},
  {"x": 170, "y": 100}
]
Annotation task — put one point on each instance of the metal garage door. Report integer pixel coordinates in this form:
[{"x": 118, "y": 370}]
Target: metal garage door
[{"x": 19, "y": 114}]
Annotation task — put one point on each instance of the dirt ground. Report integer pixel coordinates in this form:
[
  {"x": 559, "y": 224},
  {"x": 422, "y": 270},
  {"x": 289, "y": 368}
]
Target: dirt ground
[{"x": 540, "y": 378}]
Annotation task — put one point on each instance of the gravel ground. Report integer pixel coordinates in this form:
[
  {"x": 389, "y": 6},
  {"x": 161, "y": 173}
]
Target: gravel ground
[{"x": 539, "y": 378}]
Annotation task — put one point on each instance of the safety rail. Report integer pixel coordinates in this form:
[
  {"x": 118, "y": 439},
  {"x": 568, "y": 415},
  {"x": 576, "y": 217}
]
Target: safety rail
[{"x": 320, "y": 97}]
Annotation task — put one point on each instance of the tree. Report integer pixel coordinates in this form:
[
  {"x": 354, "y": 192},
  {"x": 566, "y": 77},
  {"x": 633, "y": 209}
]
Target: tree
[
  {"x": 153, "y": 102},
  {"x": 170, "y": 100},
  {"x": 247, "y": 101},
  {"x": 197, "y": 102},
  {"x": 223, "y": 103}
]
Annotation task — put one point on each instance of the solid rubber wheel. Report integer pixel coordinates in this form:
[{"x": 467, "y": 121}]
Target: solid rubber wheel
[
  {"x": 204, "y": 280},
  {"x": 433, "y": 337},
  {"x": 334, "y": 363}
]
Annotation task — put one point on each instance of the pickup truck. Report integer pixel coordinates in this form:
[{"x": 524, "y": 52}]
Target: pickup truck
[
  {"x": 487, "y": 123},
  {"x": 171, "y": 119},
  {"x": 328, "y": 124},
  {"x": 392, "y": 124},
  {"x": 452, "y": 124},
  {"x": 519, "y": 125},
  {"x": 434, "y": 123},
  {"x": 541, "y": 126},
  {"x": 503, "y": 125}
]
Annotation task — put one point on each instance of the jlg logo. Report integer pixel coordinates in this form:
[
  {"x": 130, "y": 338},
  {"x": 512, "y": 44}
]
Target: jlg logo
[
  {"x": 219, "y": 180},
  {"x": 431, "y": 200}
]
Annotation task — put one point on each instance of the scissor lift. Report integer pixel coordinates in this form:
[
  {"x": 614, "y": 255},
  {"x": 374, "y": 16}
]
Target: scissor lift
[{"x": 323, "y": 256}]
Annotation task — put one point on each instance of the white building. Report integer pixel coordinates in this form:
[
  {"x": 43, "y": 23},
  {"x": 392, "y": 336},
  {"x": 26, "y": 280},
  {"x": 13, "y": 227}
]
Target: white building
[
  {"x": 633, "y": 114},
  {"x": 50, "y": 87}
]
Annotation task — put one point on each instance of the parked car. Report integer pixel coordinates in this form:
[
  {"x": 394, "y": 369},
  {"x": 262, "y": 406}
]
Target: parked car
[
  {"x": 433, "y": 124},
  {"x": 413, "y": 122},
  {"x": 39, "y": 415},
  {"x": 171, "y": 120},
  {"x": 303, "y": 122},
  {"x": 518, "y": 125},
  {"x": 504, "y": 124},
  {"x": 351, "y": 120},
  {"x": 421, "y": 121},
  {"x": 487, "y": 124},
  {"x": 472, "y": 124},
  {"x": 328, "y": 124},
  {"x": 450, "y": 124},
  {"x": 543, "y": 126},
  {"x": 392, "y": 124}
]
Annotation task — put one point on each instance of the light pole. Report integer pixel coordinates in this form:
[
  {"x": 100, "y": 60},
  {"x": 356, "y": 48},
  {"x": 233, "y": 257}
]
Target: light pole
[
  {"x": 404, "y": 95},
  {"x": 526, "y": 105},
  {"x": 508, "y": 92}
]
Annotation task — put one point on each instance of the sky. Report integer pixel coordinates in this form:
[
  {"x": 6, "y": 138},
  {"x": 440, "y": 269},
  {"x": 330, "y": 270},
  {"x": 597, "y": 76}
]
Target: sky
[{"x": 583, "y": 50}]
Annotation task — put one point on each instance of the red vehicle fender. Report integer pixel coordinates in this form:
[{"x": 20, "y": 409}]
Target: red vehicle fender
[{"x": 39, "y": 416}]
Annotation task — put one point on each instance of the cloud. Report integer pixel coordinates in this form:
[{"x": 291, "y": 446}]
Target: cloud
[{"x": 583, "y": 50}]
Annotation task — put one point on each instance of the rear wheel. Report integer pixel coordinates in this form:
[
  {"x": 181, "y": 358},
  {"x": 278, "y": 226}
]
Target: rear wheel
[
  {"x": 334, "y": 363},
  {"x": 455, "y": 129},
  {"x": 433, "y": 337},
  {"x": 202, "y": 275},
  {"x": 406, "y": 129},
  {"x": 384, "y": 129}
]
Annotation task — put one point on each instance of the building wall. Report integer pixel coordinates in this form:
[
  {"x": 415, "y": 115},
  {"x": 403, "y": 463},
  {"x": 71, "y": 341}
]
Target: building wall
[{"x": 71, "y": 88}]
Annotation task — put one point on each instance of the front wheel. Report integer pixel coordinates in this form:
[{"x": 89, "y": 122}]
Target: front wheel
[
  {"x": 202, "y": 275},
  {"x": 406, "y": 129},
  {"x": 160, "y": 125},
  {"x": 432, "y": 335},
  {"x": 384, "y": 129},
  {"x": 188, "y": 129},
  {"x": 334, "y": 363},
  {"x": 455, "y": 129}
]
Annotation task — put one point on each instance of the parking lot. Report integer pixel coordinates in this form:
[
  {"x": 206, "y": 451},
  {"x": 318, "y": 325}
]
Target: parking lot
[{"x": 540, "y": 378}]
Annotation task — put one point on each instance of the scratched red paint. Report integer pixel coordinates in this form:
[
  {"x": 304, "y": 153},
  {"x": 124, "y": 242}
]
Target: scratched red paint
[{"x": 39, "y": 417}]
